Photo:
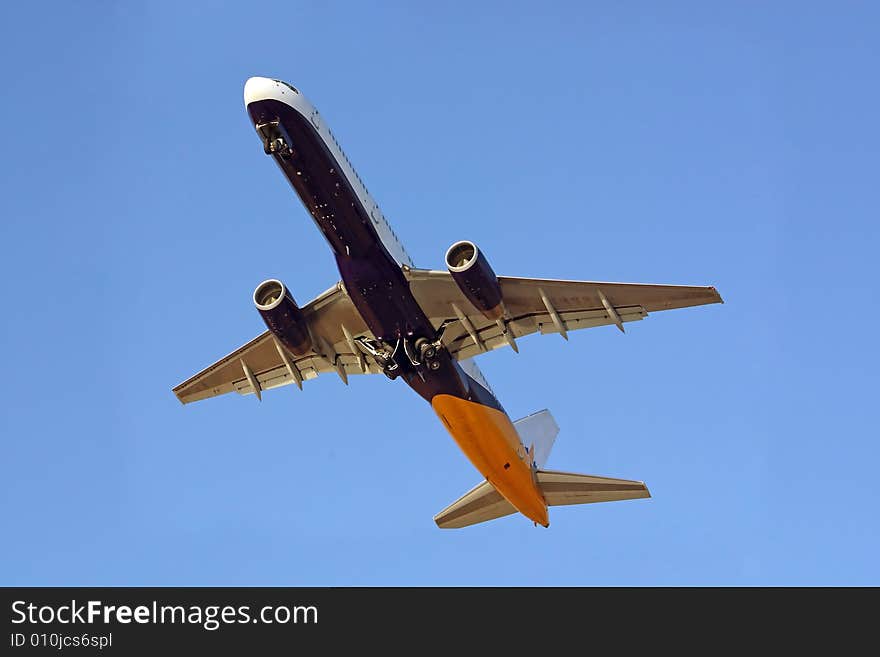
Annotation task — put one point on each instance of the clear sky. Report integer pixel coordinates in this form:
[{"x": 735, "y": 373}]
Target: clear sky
[{"x": 734, "y": 145}]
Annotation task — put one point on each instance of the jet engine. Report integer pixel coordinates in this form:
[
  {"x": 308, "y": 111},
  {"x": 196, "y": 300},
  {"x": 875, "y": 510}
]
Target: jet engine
[
  {"x": 282, "y": 316},
  {"x": 472, "y": 273}
]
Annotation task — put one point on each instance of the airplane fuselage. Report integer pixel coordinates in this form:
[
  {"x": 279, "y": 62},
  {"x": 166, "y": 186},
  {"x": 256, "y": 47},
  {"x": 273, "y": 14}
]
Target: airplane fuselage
[{"x": 371, "y": 259}]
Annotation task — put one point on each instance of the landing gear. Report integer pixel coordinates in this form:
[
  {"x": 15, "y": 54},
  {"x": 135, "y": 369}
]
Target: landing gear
[
  {"x": 389, "y": 367},
  {"x": 279, "y": 147},
  {"x": 275, "y": 139},
  {"x": 421, "y": 354},
  {"x": 382, "y": 355},
  {"x": 427, "y": 350}
]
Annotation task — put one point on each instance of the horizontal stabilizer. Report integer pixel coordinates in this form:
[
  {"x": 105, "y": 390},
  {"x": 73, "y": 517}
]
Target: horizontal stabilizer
[
  {"x": 479, "y": 504},
  {"x": 483, "y": 502},
  {"x": 561, "y": 488}
]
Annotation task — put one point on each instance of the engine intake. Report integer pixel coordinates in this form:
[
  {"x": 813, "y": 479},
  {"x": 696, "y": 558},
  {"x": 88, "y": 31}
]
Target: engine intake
[
  {"x": 282, "y": 316},
  {"x": 475, "y": 278}
]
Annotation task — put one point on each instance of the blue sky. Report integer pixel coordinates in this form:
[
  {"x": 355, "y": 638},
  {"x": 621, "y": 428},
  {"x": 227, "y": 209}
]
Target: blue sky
[{"x": 731, "y": 145}]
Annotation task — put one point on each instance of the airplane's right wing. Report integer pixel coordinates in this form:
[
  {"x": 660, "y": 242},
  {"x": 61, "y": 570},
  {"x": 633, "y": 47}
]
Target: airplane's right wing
[
  {"x": 543, "y": 306},
  {"x": 263, "y": 363}
]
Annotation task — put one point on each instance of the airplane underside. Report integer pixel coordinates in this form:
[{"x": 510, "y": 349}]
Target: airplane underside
[
  {"x": 422, "y": 326},
  {"x": 406, "y": 344}
]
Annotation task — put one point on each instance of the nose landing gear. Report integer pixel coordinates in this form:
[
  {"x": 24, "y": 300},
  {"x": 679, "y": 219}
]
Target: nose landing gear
[
  {"x": 275, "y": 139},
  {"x": 278, "y": 147}
]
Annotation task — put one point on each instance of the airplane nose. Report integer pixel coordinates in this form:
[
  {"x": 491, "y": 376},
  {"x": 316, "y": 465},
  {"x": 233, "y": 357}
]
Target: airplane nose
[{"x": 258, "y": 89}]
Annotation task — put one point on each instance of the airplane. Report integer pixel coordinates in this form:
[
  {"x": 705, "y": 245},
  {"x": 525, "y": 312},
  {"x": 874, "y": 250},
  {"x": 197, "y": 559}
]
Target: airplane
[{"x": 424, "y": 326}]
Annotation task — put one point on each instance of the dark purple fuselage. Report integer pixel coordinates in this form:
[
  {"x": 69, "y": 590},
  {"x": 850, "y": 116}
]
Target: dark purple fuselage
[{"x": 373, "y": 279}]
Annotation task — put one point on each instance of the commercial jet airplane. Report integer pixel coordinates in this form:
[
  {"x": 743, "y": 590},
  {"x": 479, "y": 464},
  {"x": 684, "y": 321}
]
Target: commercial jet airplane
[{"x": 423, "y": 326}]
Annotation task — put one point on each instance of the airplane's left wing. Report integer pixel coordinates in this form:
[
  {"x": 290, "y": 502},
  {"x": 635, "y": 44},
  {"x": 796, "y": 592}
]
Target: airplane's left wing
[
  {"x": 263, "y": 363},
  {"x": 543, "y": 306}
]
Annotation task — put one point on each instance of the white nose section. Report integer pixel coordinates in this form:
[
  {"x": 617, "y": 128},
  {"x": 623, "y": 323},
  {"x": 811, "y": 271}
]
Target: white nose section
[{"x": 260, "y": 89}]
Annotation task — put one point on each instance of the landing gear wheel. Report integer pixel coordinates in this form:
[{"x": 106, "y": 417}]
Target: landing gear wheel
[
  {"x": 426, "y": 350},
  {"x": 389, "y": 367},
  {"x": 279, "y": 147}
]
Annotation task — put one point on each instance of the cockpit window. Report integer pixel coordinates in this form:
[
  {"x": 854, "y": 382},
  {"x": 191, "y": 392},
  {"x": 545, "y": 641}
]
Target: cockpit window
[{"x": 289, "y": 86}]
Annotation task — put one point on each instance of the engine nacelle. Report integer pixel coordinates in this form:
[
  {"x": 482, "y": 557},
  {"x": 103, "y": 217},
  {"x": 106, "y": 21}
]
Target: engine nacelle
[
  {"x": 282, "y": 316},
  {"x": 471, "y": 270}
]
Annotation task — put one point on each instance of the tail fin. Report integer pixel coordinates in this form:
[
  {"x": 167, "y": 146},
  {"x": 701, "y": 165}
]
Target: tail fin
[
  {"x": 483, "y": 502},
  {"x": 538, "y": 433}
]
